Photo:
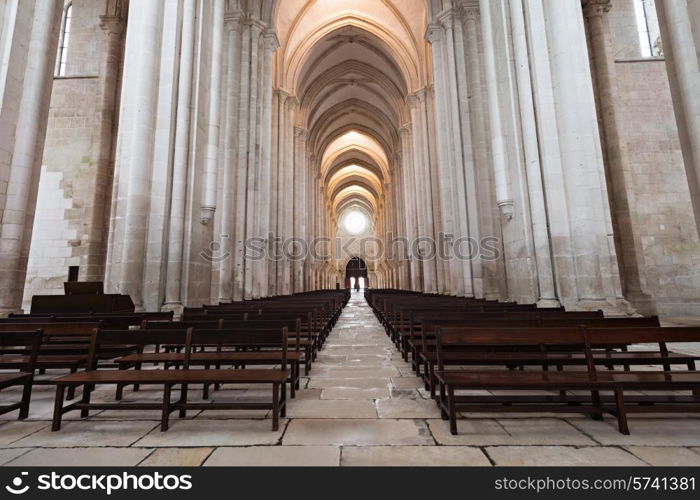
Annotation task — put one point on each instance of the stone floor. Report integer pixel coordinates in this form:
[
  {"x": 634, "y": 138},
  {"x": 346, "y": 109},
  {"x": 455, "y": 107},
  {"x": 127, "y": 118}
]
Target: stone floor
[{"x": 361, "y": 406}]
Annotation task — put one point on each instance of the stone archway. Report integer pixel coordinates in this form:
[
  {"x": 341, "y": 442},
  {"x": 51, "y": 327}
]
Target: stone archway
[{"x": 356, "y": 268}]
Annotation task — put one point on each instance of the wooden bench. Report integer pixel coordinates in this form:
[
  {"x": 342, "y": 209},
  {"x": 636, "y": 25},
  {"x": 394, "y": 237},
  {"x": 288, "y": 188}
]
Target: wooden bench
[
  {"x": 25, "y": 374},
  {"x": 231, "y": 353},
  {"x": 170, "y": 379},
  {"x": 582, "y": 342}
]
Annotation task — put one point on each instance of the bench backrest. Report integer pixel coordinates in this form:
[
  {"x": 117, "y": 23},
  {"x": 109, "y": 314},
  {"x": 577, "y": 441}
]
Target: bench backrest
[
  {"x": 575, "y": 338},
  {"x": 53, "y": 329},
  {"x": 269, "y": 338},
  {"x": 652, "y": 335},
  {"x": 139, "y": 338},
  {"x": 11, "y": 341},
  {"x": 182, "y": 325}
]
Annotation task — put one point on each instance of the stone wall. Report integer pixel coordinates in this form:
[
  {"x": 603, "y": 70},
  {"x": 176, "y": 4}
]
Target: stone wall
[
  {"x": 661, "y": 207},
  {"x": 662, "y": 212},
  {"x": 61, "y": 221}
]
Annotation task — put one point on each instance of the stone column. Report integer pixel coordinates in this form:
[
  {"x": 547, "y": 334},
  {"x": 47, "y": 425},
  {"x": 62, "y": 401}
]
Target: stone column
[
  {"x": 253, "y": 159},
  {"x": 112, "y": 25},
  {"x": 270, "y": 45},
  {"x": 181, "y": 159},
  {"x": 241, "y": 166},
  {"x": 300, "y": 167},
  {"x": 617, "y": 160},
  {"x": 282, "y": 151},
  {"x": 427, "y": 229},
  {"x": 29, "y": 133},
  {"x": 680, "y": 32},
  {"x": 289, "y": 194},
  {"x": 454, "y": 282},
  {"x": 484, "y": 185},
  {"x": 135, "y": 150},
  {"x": 595, "y": 278},
  {"x": 458, "y": 112},
  {"x": 211, "y": 147},
  {"x": 533, "y": 167},
  {"x": 232, "y": 26},
  {"x": 504, "y": 197},
  {"x": 410, "y": 198}
]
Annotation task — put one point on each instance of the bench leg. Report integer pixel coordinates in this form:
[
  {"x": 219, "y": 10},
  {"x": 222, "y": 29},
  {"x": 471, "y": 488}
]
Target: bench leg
[
  {"x": 283, "y": 401},
  {"x": 137, "y": 387},
  {"x": 298, "y": 380},
  {"x": 120, "y": 387},
  {"x": 293, "y": 380},
  {"x": 441, "y": 403},
  {"x": 165, "y": 416},
  {"x": 275, "y": 407},
  {"x": 452, "y": 411},
  {"x": 26, "y": 398},
  {"x": 71, "y": 390},
  {"x": 595, "y": 397},
  {"x": 183, "y": 400},
  {"x": 87, "y": 392},
  {"x": 58, "y": 408},
  {"x": 621, "y": 412}
]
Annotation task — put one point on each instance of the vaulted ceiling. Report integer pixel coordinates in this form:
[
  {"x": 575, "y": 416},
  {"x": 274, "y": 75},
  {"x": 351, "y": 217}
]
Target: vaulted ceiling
[{"x": 351, "y": 65}]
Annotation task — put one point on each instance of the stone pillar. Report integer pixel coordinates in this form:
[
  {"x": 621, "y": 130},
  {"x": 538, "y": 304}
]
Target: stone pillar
[
  {"x": 426, "y": 229},
  {"x": 484, "y": 185},
  {"x": 253, "y": 159},
  {"x": 93, "y": 267},
  {"x": 211, "y": 147},
  {"x": 300, "y": 167},
  {"x": 232, "y": 27},
  {"x": 616, "y": 155},
  {"x": 22, "y": 147},
  {"x": 538, "y": 210},
  {"x": 504, "y": 197},
  {"x": 593, "y": 282},
  {"x": 135, "y": 151},
  {"x": 241, "y": 165},
  {"x": 409, "y": 190},
  {"x": 270, "y": 45},
  {"x": 454, "y": 283},
  {"x": 680, "y": 32},
  {"x": 456, "y": 98},
  {"x": 181, "y": 159},
  {"x": 289, "y": 194}
]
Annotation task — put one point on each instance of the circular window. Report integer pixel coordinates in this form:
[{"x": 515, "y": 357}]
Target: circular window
[{"x": 355, "y": 222}]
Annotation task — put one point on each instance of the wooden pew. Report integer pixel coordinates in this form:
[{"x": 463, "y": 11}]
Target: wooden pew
[
  {"x": 171, "y": 379},
  {"x": 580, "y": 343},
  {"x": 25, "y": 375}
]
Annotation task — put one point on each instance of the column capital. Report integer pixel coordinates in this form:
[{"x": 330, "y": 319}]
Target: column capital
[
  {"x": 112, "y": 25},
  {"x": 301, "y": 133},
  {"x": 282, "y": 94},
  {"x": 405, "y": 129},
  {"x": 412, "y": 100},
  {"x": 258, "y": 26},
  {"x": 447, "y": 18},
  {"x": 232, "y": 19},
  {"x": 434, "y": 33},
  {"x": 115, "y": 8},
  {"x": 272, "y": 43},
  {"x": 595, "y": 8},
  {"x": 416, "y": 98},
  {"x": 472, "y": 14}
]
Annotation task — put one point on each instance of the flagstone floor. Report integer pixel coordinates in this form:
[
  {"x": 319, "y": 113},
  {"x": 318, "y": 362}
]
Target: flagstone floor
[{"x": 360, "y": 406}]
